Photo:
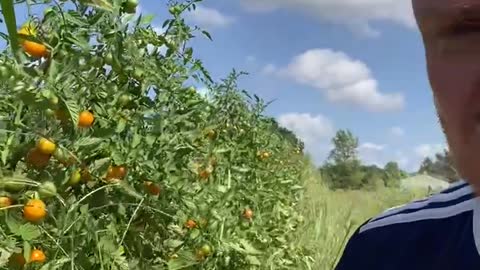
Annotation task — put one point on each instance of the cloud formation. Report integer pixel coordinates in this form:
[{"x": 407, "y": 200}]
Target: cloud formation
[
  {"x": 429, "y": 150},
  {"x": 357, "y": 15},
  {"x": 341, "y": 78},
  {"x": 315, "y": 131},
  {"x": 210, "y": 18}
]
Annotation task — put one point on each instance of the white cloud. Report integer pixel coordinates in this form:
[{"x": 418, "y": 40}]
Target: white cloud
[
  {"x": 397, "y": 131},
  {"x": 372, "y": 154},
  {"x": 210, "y": 18},
  {"x": 429, "y": 150},
  {"x": 403, "y": 162},
  {"x": 371, "y": 147},
  {"x": 314, "y": 130},
  {"x": 342, "y": 79},
  {"x": 357, "y": 15}
]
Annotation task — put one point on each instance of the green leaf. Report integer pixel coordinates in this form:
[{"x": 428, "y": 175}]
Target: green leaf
[
  {"x": 150, "y": 139},
  {"x": 4, "y": 257},
  {"x": 137, "y": 139},
  {"x": 28, "y": 232},
  {"x": 100, "y": 4},
  {"x": 249, "y": 248},
  {"x": 184, "y": 260},
  {"x": 222, "y": 188},
  {"x": 80, "y": 43},
  {"x": 172, "y": 243},
  {"x": 194, "y": 233},
  {"x": 73, "y": 110},
  {"x": 12, "y": 224},
  {"x": 253, "y": 260},
  {"x": 56, "y": 264},
  {"x": 75, "y": 18},
  {"x": 101, "y": 164},
  {"x": 147, "y": 19},
  {"x": 121, "y": 125},
  {"x": 190, "y": 204},
  {"x": 129, "y": 190},
  {"x": 207, "y": 34},
  {"x": 27, "y": 250},
  {"x": 87, "y": 141}
]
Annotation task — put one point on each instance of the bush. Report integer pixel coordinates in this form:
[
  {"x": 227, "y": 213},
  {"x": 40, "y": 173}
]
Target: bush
[{"x": 135, "y": 168}]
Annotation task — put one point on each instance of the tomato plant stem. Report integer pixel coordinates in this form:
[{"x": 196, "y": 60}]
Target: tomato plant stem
[
  {"x": 22, "y": 181},
  {"x": 8, "y": 11},
  {"x": 53, "y": 239},
  {"x": 88, "y": 195},
  {"x": 131, "y": 219},
  {"x": 11, "y": 206}
]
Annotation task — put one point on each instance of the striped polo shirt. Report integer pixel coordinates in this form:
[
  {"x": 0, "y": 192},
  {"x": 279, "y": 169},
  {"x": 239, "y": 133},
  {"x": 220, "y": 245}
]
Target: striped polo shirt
[{"x": 441, "y": 232}]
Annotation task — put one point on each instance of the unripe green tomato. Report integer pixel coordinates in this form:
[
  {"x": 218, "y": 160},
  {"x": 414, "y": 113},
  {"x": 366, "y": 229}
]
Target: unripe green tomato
[
  {"x": 131, "y": 6},
  {"x": 124, "y": 100},
  {"x": 109, "y": 59},
  {"x": 53, "y": 100},
  {"x": 206, "y": 250},
  {"x": 50, "y": 112},
  {"x": 138, "y": 74},
  {"x": 75, "y": 178},
  {"x": 14, "y": 186},
  {"x": 47, "y": 189},
  {"x": 4, "y": 72}
]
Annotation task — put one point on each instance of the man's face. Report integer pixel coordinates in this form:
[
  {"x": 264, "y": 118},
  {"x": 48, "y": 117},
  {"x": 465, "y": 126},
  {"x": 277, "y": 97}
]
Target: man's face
[{"x": 451, "y": 34}]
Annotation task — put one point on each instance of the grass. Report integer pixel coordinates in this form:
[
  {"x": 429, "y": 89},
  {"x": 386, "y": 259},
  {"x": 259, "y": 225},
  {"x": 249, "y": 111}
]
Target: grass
[{"x": 332, "y": 216}]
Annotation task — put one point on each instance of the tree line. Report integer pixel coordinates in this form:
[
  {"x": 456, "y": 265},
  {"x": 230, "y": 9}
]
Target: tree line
[{"x": 343, "y": 168}]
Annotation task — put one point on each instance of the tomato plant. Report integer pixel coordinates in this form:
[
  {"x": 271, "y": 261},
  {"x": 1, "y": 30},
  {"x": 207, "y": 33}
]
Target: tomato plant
[{"x": 112, "y": 160}]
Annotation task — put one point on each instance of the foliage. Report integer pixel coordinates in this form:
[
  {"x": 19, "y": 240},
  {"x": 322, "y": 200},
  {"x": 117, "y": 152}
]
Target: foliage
[
  {"x": 344, "y": 169},
  {"x": 138, "y": 152},
  {"x": 442, "y": 166},
  {"x": 345, "y": 146}
]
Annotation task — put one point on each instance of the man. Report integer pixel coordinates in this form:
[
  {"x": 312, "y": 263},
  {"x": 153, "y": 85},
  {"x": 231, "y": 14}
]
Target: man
[{"x": 443, "y": 231}]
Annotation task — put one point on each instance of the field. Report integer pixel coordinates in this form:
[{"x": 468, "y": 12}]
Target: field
[
  {"x": 332, "y": 216},
  {"x": 111, "y": 159}
]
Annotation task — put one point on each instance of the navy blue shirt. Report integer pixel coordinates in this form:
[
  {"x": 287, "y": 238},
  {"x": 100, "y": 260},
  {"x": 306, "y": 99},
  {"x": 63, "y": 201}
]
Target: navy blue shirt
[{"x": 441, "y": 232}]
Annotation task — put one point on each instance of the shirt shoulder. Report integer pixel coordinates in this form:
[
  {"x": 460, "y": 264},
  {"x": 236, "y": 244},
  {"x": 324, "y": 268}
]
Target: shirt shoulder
[
  {"x": 456, "y": 199},
  {"x": 392, "y": 238}
]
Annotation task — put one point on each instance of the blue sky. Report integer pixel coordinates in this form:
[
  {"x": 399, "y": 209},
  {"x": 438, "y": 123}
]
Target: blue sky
[{"x": 329, "y": 64}]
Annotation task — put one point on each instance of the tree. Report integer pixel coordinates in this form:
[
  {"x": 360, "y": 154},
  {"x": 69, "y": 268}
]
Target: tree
[
  {"x": 426, "y": 166},
  {"x": 442, "y": 166},
  {"x": 343, "y": 168},
  {"x": 345, "y": 175},
  {"x": 373, "y": 177},
  {"x": 393, "y": 174},
  {"x": 345, "y": 147}
]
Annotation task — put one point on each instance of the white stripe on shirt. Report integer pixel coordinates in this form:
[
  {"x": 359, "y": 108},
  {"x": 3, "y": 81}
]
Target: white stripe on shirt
[
  {"x": 439, "y": 197},
  {"x": 433, "y": 213}
]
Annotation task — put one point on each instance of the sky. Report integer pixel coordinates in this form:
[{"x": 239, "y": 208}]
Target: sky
[{"x": 326, "y": 65}]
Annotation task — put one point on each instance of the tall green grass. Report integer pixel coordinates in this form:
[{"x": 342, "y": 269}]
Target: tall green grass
[{"x": 332, "y": 216}]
